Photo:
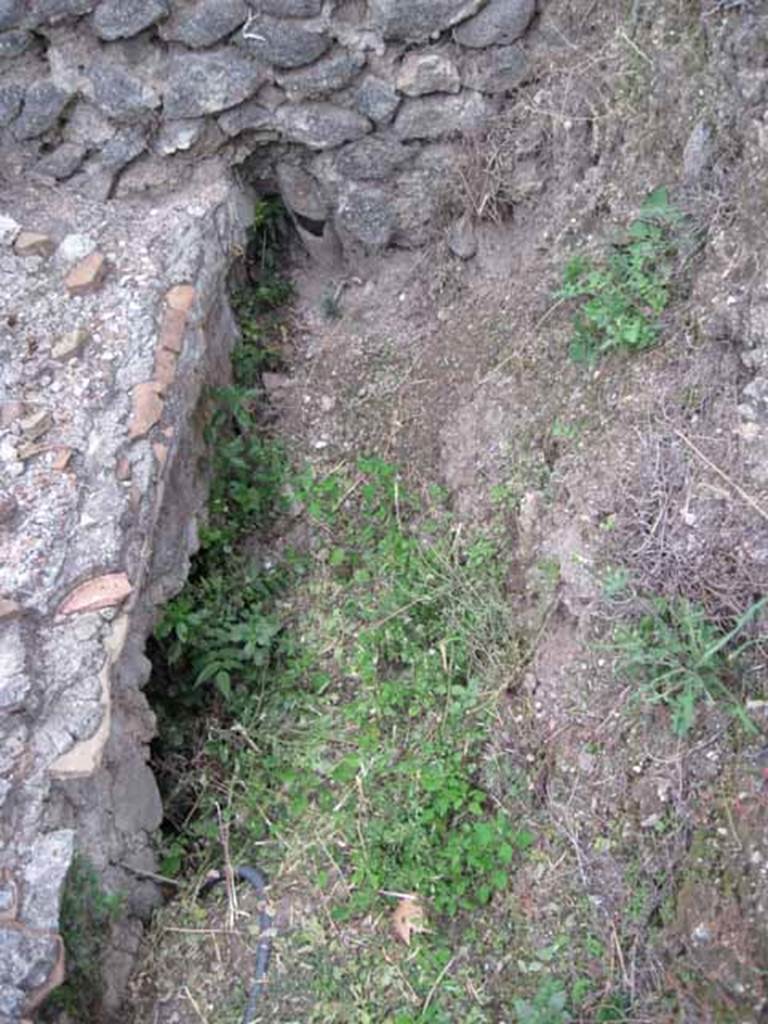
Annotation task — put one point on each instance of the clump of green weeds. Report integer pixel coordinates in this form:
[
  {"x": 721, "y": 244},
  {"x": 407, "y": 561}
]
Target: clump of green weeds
[
  {"x": 623, "y": 295},
  {"x": 87, "y": 914},
  {"x": 221, "y": 632},
  {"x": 249, "y": 470},
  {"x": 264, "y": 250},
  {"x": 680, "y": 659},
  {"x": 330, "y": 304},
  {"x": 400, "y": 703},
  {"x": 548, "y": 1005},
  {"x": 257, "y": 305},
  {"x": 221, "y": 629}
]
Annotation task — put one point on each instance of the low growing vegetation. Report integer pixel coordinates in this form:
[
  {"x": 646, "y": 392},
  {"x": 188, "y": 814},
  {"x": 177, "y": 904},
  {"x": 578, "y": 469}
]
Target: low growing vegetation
[
  {"x": 621, "y": 297},
  {"x": 87, "y": 914},
  {"x": 678, "y": 658}
]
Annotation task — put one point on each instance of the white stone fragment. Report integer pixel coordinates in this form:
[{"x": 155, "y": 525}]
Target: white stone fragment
[
  {"x": 9, "y": 229},
  {"x": 75, "y": 247}
]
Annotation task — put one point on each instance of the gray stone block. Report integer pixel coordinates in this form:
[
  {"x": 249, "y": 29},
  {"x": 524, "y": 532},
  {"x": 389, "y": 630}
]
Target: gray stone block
[
  {"x": 282, "y": 43},
  {"x": 127, "y": 144},
  {"x": 204, "y": 22},
  {"x": 52, "y": 11},
  {"x": 44, "y": 103},
  {"x": 377, "y": 99},
  {"x": 205, "y": 83},
  {"x": 373, "y": 158},
  {"x": 14, "y": 43},
  {"x": 11, "y": 14},
  {"x": 291, "y": 8},
  {"x": 419, "y": 19},
  {"x": 176, "y": 136},
  {"x": 496, "y": 70},
  {"x": 367, "y": 215},
  {"x": 424, "y": 73},
  {"x": 250, "y": 116},
  {"x": 300, "y": 192},
  {"x": 62, "y": 162},
  {"x": 698, "y": 153},
  {"x": 321, "y": 125},
  {"x": 119, "y": 95},
  {"x": 121, "y": 19},
  {"x": 433, "y": 117},
  {"x": 500, "y": 21},
  {"x": 25, "y": 963},
  {"x": 329, "y": 74},
  {"x": 11, "y": 98}
]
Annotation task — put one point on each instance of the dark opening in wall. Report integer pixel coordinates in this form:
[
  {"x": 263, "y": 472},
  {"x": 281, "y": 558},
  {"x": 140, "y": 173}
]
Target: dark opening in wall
[{"x": 314, "y": 227}]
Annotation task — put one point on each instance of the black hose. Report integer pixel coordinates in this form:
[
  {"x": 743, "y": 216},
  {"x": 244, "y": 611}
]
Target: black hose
[{"x": 258, "y": 880}]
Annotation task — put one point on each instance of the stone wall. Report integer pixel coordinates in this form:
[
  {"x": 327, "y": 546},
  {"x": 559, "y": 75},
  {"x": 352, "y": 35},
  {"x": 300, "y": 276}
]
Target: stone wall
[
  {"x": 114, "y": 326},
  {"x": 350, "y": 103},
  {"x": 120, "y": 124}
]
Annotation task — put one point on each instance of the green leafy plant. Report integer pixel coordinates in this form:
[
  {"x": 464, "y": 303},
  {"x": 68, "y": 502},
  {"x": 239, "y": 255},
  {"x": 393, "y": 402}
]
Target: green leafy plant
[
  {"x": 264, "y": 248},
  {"x": 249, "y": 470},
  {"x": 330, "y": 304},
  {"x": 680, "y": 659},
  {"x": 623, "y": 295},
  {"x": 257, "y": 305},
  {"x": 547, "y": 1006},
  {"x": 220, "y": 633},
  {"x": 221, "y": 629},
  {"x": 87, "y": 914}
]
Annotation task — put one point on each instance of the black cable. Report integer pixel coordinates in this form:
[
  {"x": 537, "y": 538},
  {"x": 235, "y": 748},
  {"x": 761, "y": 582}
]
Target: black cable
[{"x": 258, "y": 881}]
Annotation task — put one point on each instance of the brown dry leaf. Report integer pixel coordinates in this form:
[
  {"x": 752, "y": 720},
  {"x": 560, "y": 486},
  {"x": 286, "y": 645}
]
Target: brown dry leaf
[{"x": 408, "y": 917}]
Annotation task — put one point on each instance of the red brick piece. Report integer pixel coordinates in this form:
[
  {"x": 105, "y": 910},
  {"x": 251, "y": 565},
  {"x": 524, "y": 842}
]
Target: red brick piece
[
  {"x": 147, "y": 408},
  {"x": 101, "y": 592},
  {"x": 87, "y": 275},
  {"x": 180, "y": 297}
]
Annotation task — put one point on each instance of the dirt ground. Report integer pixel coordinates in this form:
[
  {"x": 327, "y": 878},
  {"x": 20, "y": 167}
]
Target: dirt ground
[{"x": 651, "y": 871}]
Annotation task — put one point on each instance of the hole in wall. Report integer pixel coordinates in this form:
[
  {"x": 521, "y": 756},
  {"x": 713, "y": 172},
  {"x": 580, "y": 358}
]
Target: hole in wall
[{"x": 314, "y": 227}]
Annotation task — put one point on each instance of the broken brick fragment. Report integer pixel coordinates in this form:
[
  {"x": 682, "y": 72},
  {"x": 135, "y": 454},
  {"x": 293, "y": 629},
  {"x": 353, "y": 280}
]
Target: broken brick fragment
[
  {"x": 161, "y": 453},
  {"x": 61, "y": 458},
  {"x": 147, "y": 408},
  {"x": 178, "y": 302},
  {"x": 165, "y": 368},
  {"x": 180, "y": 297},
  {"x": 172, "y": 329},
  {"x": 87, "y": 275},
  {"x": 105, "y": 591}
]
